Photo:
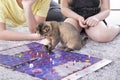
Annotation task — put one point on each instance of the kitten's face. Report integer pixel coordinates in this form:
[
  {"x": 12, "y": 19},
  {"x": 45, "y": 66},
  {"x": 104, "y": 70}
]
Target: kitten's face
[{"x": 44, "y": 29}]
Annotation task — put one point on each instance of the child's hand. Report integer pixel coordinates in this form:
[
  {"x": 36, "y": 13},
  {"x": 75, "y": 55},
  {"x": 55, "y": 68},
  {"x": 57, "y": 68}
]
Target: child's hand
[
  {"x": 36, "y": 36},
  {"x": 82, "y": 22},
  {"x": 92, "y": 21}
]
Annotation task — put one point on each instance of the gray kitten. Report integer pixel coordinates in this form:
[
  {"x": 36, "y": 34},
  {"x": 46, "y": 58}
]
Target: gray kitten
[{"x": 62, "y": 32}]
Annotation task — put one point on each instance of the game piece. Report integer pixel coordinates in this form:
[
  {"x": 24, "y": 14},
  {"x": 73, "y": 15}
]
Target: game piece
[
  {"x": 19, "y": 55},
  {"x": 31, "y": 65},
  {"x": 36, "y": 70},
  {"x": 50, "y": 59}
]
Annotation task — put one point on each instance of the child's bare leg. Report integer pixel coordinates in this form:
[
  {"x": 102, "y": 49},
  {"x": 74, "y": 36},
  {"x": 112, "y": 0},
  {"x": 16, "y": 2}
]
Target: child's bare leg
[
  {"x": 103, "y": 32},
  {"x": 74, "y": 23}
]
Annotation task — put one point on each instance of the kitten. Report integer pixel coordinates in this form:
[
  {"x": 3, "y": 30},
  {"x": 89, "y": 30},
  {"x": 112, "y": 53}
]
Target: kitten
[{"x": 62, "y": 32}]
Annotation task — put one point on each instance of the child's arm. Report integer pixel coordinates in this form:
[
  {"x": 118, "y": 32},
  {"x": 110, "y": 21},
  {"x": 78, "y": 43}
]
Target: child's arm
[
  {"x": 12, "y": 35},
  {"x": 103, "y": 14},
  {"x": 31, "y": 20}
]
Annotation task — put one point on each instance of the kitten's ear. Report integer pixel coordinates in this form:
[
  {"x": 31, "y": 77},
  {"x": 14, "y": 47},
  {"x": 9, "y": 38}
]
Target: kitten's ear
[{"x": 40, "y": 26}]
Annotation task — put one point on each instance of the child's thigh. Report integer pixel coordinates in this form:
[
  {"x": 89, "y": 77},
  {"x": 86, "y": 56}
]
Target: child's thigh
[
  {"x": 74, "y": 23},
  {"x": 101, "y": 32}
]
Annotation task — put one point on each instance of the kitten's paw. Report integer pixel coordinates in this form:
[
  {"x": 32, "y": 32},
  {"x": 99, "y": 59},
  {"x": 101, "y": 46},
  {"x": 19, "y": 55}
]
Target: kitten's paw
[
  {"x": 68, "y": 49},
  {"x": 47, "y": 48}
]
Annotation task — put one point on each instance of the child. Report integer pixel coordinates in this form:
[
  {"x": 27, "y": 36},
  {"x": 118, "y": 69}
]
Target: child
[
  {"x": 22, "y": 13},
  {"x": 90, "y": 15}
]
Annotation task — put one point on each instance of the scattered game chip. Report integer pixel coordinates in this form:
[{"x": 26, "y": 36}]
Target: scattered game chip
[
  {"x": 31, "y": 65},
  {"x": 36, "y": 70},
  {"x": 19, "y": 55}
]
